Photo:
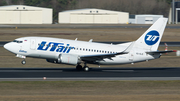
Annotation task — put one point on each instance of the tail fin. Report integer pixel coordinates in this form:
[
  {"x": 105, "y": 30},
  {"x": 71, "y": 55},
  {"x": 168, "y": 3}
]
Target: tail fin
[{"x": 151, "y": 38}]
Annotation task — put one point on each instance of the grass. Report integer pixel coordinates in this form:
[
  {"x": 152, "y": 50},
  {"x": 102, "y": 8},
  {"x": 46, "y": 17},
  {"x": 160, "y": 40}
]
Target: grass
[
  {"x": 90, "y": 90},
  {"x": 111, "y": 34}
]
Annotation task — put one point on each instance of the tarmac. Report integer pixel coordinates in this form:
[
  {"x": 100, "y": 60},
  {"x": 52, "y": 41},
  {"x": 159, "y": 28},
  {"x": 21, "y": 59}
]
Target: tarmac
[{"x": 55, "y": 74}]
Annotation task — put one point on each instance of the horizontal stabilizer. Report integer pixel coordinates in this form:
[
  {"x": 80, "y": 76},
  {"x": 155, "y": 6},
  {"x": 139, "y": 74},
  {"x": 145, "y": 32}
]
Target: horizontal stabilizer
[{"x": 152, "y": 52}]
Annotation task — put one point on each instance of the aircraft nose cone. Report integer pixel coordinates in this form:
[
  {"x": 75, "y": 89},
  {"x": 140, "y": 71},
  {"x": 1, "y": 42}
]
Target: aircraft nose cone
[{"x": 7, "y": 46}]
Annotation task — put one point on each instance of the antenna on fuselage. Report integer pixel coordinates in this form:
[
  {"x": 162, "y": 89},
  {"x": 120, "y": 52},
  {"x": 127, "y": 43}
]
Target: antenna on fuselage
[
  {"x": 76, "y": 39},
  {"x": 90, "y": 40}
]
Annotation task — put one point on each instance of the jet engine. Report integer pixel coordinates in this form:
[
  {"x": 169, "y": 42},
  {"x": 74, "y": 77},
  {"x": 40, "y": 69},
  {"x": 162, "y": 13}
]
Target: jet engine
[{"x": 66, "y": 59}]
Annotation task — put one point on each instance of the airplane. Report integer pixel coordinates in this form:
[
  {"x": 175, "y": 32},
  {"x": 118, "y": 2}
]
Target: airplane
[{"x": 74, "y": 52}]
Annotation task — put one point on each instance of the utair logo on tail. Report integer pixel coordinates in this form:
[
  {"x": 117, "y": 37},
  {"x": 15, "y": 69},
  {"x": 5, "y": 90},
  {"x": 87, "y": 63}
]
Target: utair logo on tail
[
  {"x": 58, "y": 47},
  {"x": 151, "y": 37}
]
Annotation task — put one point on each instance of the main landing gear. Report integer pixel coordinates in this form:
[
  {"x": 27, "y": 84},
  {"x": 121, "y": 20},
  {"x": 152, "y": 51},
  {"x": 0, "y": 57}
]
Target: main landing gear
[{"x": 85, "y": 68}]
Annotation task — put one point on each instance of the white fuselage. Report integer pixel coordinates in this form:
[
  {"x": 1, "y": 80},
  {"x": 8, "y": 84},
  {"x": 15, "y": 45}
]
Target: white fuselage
[{"x": 50, "y": 48}]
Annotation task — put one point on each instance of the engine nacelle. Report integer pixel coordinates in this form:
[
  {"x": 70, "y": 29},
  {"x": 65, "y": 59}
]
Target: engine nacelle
[{"x": 66, "y": 59}]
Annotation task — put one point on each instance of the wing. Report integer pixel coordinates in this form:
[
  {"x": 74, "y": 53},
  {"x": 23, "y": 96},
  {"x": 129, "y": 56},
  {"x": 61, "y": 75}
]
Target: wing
[{"x": 100, "y": 56}]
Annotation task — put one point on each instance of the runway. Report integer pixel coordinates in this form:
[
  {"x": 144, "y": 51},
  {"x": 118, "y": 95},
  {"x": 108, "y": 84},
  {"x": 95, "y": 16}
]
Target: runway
[{"x": 53, "y": 74}]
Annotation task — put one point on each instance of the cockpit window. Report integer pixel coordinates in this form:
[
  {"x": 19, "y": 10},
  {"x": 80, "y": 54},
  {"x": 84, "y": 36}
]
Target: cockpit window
[{"x": 17, "y": 41}]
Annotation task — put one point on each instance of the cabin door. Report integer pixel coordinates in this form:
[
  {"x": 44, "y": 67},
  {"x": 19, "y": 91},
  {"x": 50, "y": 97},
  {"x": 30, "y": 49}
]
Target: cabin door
[{"x": 33, "y": 44}]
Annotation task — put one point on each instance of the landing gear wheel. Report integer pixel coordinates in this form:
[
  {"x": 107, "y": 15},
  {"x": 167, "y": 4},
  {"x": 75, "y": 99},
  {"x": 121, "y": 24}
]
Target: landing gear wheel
[
  {"x": 86, "y": 68},
  {"x": 78, "y": 67},
  {"x": 23, "y": 62}
]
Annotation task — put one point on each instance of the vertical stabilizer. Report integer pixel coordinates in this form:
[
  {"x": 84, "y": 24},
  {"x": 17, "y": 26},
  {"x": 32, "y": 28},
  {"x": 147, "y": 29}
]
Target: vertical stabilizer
[{"x": 151, "y": 38}]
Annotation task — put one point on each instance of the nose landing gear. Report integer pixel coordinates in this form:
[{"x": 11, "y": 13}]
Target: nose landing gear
[
  {"x": 23, "y": 62},
  {"x": 23, "y": 57}
]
